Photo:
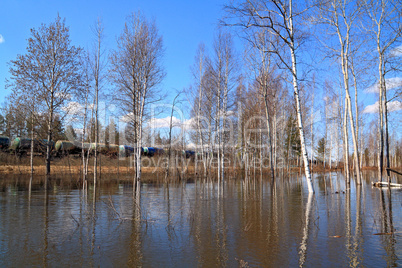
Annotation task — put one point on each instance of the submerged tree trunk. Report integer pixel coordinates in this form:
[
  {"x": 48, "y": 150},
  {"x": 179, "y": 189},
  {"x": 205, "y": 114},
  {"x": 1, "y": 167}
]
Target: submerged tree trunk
[
  {"x": 170, "y": 138},
  {"x": 49, "y": 138},
  {"x": 381, "y": 136},
  {"x": 312, "y": 131},
  {"x": 383, "y": 119},
  {"x": 271, "y": 156},
  {"x": 346, "y": 142},
  {"x": 84, "y": 165},
  {"x": 298, "y": 109},
  {"x": 32, "y": 151},
  {"x": 387, "y": 163},
  {"x": 277, "y": 18},
  {"x": 200, "y": 98}
]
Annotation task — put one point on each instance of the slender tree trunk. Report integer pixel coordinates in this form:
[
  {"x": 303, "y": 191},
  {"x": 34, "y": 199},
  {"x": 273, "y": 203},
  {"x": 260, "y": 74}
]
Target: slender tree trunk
[
  {"x": 170, "y": 138},
  {"x": 218, "y": 121},
  {"x": 387, "y": 156},
  {"x": 380, "y": 132},
  {"x": 84, "y": 167},
  {"x": 275, "y": 138},
  {"x": 384, "y": 120},
  {"x": 298, "y": 109},
  {"x": 224, "y": 110},
  {"x": 345, "y": 71},
  {"x": 355, "y": 144},
  {"x": 312, "y": 131},
  {"x": 32, "y": 150},
  {"x": 96, "y": 142},
  {"x": 356, "y": 109},
  {"x": 267, "y": 116},
  {"x": 48, "y": 145},
  {"x": 346, "y": 142},
  {"x": 200, "y": 97}
]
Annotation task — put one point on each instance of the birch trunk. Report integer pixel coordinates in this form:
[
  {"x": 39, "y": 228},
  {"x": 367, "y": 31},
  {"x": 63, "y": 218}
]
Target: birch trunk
[
  {"x": 49, "y": 132},
  {"x": 346, "y": 142},
  {"x": 96, "y": 137},
  {"x": 224, "y": 110},
  {"x": 345, "y": 44},
  {"x": 200, "y": 96},
  {"x": 312, "y": 131},
  {"x": 380, "y": 132},
  {"x": 218, "y": 116},
  {"x": 170, "y": 138},
  {"x": 32, "y": 151},
  {"x": 96, "y": 73},
  {"x": 269, "y": 134},
  {"x": 84, "y": 166},
  {"x": 297, "y": 98},
  {"x": 383, "y": 118},
  {"x": 387, "y": 163}
]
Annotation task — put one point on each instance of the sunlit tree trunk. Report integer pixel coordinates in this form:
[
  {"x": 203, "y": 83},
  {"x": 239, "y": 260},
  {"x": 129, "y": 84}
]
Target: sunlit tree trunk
[
  {"x": 96, "y": 72},
  {"x": 32, "y": 150},
  {"x": 170, "y": 138},
  {"x": 268, "y": 119},
  {"x": 385, "y": 17},
  {"x": 136, "y": 73},
  {"x": 297, "y": 98},
  {"x": 84, "y": 163},
  {"x": 200, "y": 98},
  {"x": 346, "y": 144},
  {"x": 344, "y": 41},
  {"x": 312, "y": 131},
  {"x": 277, "y": 18}
]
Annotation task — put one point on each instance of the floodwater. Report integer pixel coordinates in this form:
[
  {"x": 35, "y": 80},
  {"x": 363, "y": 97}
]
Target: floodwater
[{"x": 242, "y": 223}]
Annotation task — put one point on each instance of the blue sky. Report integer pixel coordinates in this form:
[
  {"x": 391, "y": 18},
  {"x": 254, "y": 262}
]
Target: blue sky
[{"x": 183, "y": 25}]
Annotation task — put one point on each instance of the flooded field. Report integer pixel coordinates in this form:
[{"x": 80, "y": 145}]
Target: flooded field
[{"x": 236, "y": 224}]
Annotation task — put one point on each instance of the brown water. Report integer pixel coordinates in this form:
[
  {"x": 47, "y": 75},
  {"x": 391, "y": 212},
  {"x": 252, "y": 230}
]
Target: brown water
[{"x": 254, "y": 223}]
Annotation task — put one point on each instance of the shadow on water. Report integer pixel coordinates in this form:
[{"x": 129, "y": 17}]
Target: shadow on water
[{"x": 254, "y": 222}]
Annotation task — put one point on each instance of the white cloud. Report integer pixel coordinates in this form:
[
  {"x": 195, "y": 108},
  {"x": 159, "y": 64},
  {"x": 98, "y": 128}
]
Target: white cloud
[
  {"x": 74, "y": 112},
  {"x": 188, "y": 124},
  {"x": 191, "y": 145},
  {"x": 73, "y": 108},
  {"x": 393, "y": 106},
  {"x": 127, "y": 118},
  {"x": 390, "y": 83},
  {"x": 371, "y": 109},
  {"x": 396, "y": 52},
  {"x": 2, "y": 40},
  {"x": 165, "y": 123}
]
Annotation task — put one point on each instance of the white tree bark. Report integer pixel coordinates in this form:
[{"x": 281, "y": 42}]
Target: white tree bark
[{"x": 297, "y": 98}]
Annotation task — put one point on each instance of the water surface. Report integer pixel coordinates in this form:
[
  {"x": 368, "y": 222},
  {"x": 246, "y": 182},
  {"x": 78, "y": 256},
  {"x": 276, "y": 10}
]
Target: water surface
[{"x": 239, "y": 223}]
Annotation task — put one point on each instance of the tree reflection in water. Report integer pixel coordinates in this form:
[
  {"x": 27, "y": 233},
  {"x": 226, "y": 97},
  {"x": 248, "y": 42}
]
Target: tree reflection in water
[{"x": 253, "y": 222}]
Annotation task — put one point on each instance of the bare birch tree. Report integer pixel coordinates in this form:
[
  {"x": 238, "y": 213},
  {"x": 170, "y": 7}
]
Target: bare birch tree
[
  {"x": 340, "y": 16},
  {"x": 53, "y": 65},
  {"x": 97, "y": 64},
  {"x": 277, "y": 17},
  {"x": 136, "y": 73},
  {"x": 264, "y": 69},
  {"x": 85, "y": 95},
  {"x": 223, "y": 67},
  {"x": 385, "y": 27},
  {"x": 198, "y": 71}
]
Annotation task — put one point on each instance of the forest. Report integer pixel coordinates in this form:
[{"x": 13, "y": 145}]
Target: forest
[{"x": 281, "y": 88}]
